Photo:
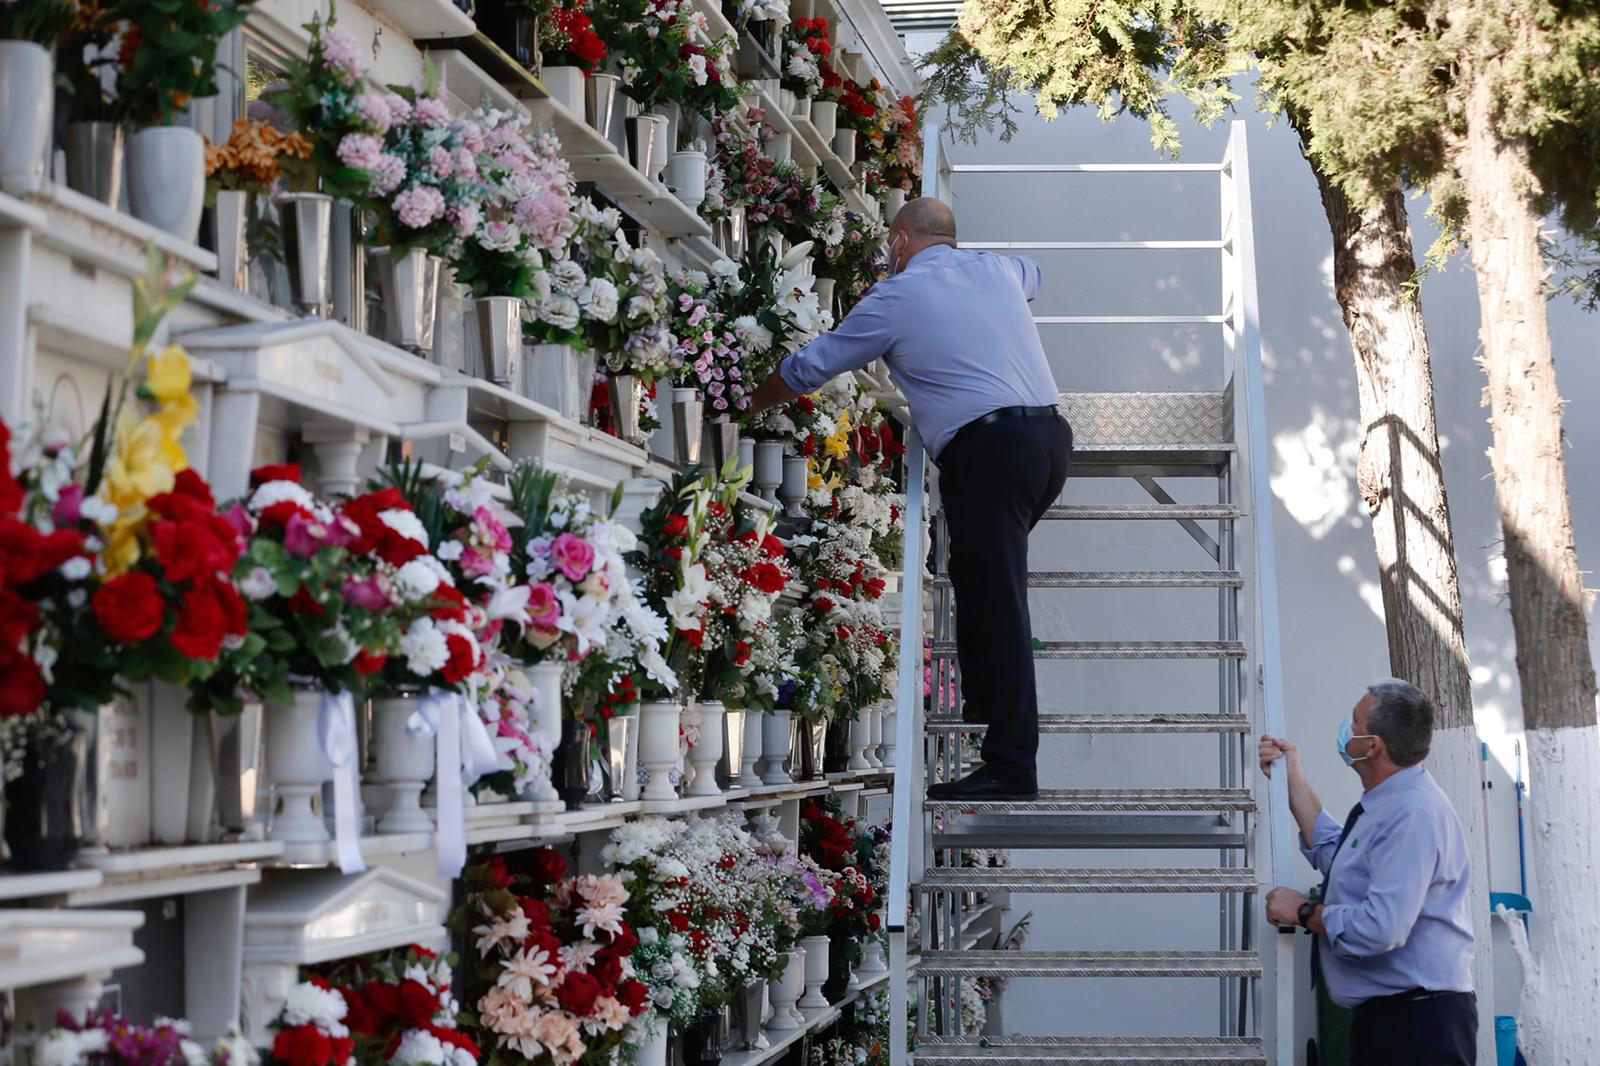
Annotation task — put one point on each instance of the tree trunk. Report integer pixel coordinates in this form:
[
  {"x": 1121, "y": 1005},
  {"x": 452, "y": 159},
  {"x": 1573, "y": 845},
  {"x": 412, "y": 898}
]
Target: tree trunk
[
  {"x": 1554, "y": 666},
  {"x": 1402, "y": 481}
]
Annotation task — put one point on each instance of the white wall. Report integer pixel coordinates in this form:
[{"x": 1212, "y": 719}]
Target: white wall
[{"x": 1332, "y": 636}]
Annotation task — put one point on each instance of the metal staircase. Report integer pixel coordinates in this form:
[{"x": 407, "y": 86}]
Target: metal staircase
[{"x": 1214, "y": 443}]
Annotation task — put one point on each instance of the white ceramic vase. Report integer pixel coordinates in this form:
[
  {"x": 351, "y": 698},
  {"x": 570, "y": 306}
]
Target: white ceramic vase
[
  {"x": 750, "y": 753},
  {"x": 844, "y": 146},
  {"x": 792, "y": 490},
  {"x": 889, "y": 718},
  {"x": 704, "y": 755},
  {"x": 874, "y": 736},
  {"x": 775, "y": 748},
  {"x": 769, "y": 468},
  {"x": 892, "y": 205},
  {"x": 26, "y": 103},
  {"x": 545, "y": 720},
  {"x": 552, "y": 374},
  {"x": 652, "y": 1050},
  {"x": 296, "y": 767},
  {"x": 565, "y": 85},
  {"x": 402, "y": 763},
  {"x": 658, "y": 748},
  {"x": 785, "y": 990},
  {"x": 167, "y": 179},
  {"x": 816, "y": 973},
  {"x": 825, "y": 116},
  {"x": 860, "y": 737},
  {"x": 872, "y": 957},
  {"x": 686, "y": 174}
]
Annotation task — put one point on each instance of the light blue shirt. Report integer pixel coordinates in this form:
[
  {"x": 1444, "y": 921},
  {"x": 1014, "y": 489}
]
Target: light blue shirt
[
  {"x": 955, "y": 331},
  {"x": 1398, "y": 913}
]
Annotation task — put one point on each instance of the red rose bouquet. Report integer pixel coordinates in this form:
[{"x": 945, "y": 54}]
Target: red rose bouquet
[
  {"x": 567, "y": 38},
  {"x": 748, "y": 570},
  {"x": 550, "y": 975},
  {"x": 399, "y": 1008}
]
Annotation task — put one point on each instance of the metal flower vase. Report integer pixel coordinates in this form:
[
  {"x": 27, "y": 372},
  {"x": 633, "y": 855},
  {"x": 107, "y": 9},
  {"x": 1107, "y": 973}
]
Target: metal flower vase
[
  {"x": 647, "y": 143},
  {"x": 306, "y": 222},
  {"x": 410, "y": 283},
  {"x": 722, "y": 434},
  {"x": 552, "y": 374},
  {"x": 94, "y": 160},
  {"x": 600, "y": 102},
  {"x": 688, "y": 417},
  {"x": 228, "y": 217},
  {"x": 627, "y": 401},
  {"x": 499, "y": 337}
]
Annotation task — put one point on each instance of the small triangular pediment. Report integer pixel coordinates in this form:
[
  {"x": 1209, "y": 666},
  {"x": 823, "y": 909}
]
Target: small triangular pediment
[
  {"x": 44, "y": 946},
  {"x": 309, "y": 916}
]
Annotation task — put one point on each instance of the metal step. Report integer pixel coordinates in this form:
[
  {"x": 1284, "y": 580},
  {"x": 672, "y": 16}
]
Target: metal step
[
  {"x": 1092, "y": 1051},
  {"x": 1143, "y": 512},
  {"x": 1121, "y": 649},
  {"x": 1004, "y": 963},
  {"x": 1107, "y": 800},
  {"x": 1125, "y": 579},
  {"x": 1151, "y": 460},
  {"x": 1112, "y": 723},
  {"x": 1054, "y": 831},
  {"x": 1130, "y": 879}
]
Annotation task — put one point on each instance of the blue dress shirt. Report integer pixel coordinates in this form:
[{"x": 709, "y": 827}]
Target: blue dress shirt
[
  {"x": 1398, "y": 913},
  {"x": 955, "y": 330}
]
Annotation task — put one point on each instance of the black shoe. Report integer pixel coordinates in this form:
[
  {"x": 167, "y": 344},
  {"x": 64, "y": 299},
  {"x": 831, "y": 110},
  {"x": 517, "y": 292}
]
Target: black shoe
[{"x": 986, "y": 784}]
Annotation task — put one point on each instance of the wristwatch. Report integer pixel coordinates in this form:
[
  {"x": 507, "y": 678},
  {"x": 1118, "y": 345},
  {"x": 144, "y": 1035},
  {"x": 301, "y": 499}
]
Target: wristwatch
[{"x": 1307, "y": 909}]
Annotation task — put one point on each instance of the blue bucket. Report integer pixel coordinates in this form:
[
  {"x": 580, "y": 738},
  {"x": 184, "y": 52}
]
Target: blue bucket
[{"x": 1505, "y": 1040}]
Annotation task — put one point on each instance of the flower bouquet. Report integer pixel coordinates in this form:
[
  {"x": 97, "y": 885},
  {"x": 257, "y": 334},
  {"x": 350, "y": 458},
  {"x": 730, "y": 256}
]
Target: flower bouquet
[
  {"x": 398, "y": 1009},
  {"x": 806, "y": 53},
  {"x": 568, "y": 38},
  {"x": 424, "y": 185},
  {"x": 104, "y": 1038},
  {"x": 710, "y": 352},
  {"x": 551, "y": 974},
  {"x": 747, "y": 572}
]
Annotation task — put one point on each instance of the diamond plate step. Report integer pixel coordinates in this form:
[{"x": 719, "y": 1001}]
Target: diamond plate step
[
  {"x": 1125, "y": 579},
  {"x": 1014, "y": 879},
  {"x": 1112, "y": 723},
  {"x": 1121, "y": 649},
  {"x": 1055, "y": 831},
  {"x": 1107, "y": 800},
  {"x": 1091, "y": 963},
  {"x": 1092, "y": 1051},
  {"x": 1143, "y": 512}
]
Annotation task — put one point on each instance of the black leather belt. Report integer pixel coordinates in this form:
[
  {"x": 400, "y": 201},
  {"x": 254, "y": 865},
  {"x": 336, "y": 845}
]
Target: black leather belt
[
  {"x": 1048, "y": 411},
  {"x": 1414, "y": 995}
]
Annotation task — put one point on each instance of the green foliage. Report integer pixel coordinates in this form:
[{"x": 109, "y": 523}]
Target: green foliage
[
  {"x": 39, "y": 21},
  {"x": 173, "y": 50}
]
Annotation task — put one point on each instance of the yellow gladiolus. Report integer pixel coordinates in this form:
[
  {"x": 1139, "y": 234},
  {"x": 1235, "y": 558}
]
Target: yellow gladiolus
[
  {"x": 178, "y": 414},
  {"x": 167, "y": 375},
  {"x": 145, "y": 462},
  {"x": 121, "y": 552}
]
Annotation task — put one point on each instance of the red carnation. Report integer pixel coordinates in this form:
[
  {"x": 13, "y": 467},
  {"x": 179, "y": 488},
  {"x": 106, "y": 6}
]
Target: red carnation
[
  {"x": 302, "y": 602},
  {"x": 383, "y": 1001},
  {"x": 625, "y": 940},
  {"x": 449, "y": 605},
  {"x": 693, "y": 637},
  {"x": 772, "y": 547},
  {"x": 418, "y": 1005},
  {"x": 277, "y": 472},
  {"x": 607, "y": 968},
  {"x": 578, "y": 993},
  {"x": 303, "y": 1045},
  {"x": 547, "y": 866},
  {"x": 278, "y": 515},
  {"x": 536, "y": 911},
  {"x": 190, "y": 549},
  {"x": 27, "y": 555},
  {"x": 18, "y": 618},
  {"x": 212, "y": 611},
  {"x": 454, "y": 1037},
  {"x": 22, "y": 687},
  {"x": 633, "y": 995},
  {"x": 675, "y": 526},
  {"x": 678, "y": 920},
  {"x": 494, "y": 872},
  {"x": 368, "y": 663},
  {"x": 822, "y": 604},
  {"x": 768, "y": 577},
  {"x": 741, "y": 653},
  {"x": 358, "y": 1015},
  {"x": 463, "y": 659},
  {"x": 129, "y": 608}
]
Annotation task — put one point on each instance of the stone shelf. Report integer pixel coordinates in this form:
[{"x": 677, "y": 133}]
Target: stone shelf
[
  {"x": 45, "y": 885},
  {"x": 802, "y": 149},
  {"x": 425, "y": 20}
]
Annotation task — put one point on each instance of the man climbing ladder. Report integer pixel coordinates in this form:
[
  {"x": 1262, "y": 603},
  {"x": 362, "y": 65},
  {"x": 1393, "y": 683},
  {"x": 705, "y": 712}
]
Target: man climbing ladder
[{"x": 955, "y": 331}]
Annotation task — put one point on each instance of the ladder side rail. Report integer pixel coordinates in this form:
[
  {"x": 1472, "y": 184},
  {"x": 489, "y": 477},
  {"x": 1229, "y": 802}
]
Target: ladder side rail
[
  {"x": 1243, "y": 335},
  {"x": 907, "y": 818}
]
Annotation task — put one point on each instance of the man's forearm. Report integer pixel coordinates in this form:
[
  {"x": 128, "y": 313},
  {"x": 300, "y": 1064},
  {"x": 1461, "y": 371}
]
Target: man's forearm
[
  {"x": 771, "y": 393},
  {"x": 1303, "y": 804}
]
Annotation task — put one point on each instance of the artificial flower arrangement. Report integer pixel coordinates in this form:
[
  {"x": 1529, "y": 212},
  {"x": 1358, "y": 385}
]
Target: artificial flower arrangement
[
  {"x": 711, "y": 352},
  {"x": 582, "y": 608},
  {"x": 859, "y": 105},
  {"x": 104, "y": 1038},
  {"x": 399, "y": 1009},
  {"x": 316, "y": 582},
  {"x": 778, "y": 313},
  {"x": 856, "y": 260},
  {"x": 674, "y": 534},
  {"x": 527, "y": 209},
  {"x": 848, "y": 640},
  {"x": 424, "y": 185},
  {"x": 329, "y": 100},
  {"x": 550, "y": 974},
  {"x": 769, "y": 191},
  {"x": 901, "y": 150},
  {"x": 668, "y": 55},
  {"x": 747, "y": 570},
  {"x": 806, "y": 53},
  {"x": 85, "y": 589},
  {"x": 251, "y": 159},
  {"x": 567, "y": 38},
  {"x": 851, "y": 852},
  {"x": 167, "y": 56},
  {"x": 623, "y": 300}
]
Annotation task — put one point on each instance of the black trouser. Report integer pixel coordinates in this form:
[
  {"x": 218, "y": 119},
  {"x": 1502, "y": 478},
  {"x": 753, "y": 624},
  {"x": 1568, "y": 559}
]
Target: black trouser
[
  {"x": 1440, "y": 1030},
  {"x": 997, "y": 480}
]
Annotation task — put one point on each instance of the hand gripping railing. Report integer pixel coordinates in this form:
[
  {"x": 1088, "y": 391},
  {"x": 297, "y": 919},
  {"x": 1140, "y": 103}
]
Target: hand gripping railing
[{"x": 906, "y": 841}]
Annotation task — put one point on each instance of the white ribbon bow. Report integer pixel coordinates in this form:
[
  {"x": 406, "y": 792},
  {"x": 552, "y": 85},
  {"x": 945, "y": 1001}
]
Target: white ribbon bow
[
  {"x": 464, "y": 753},
  {"x": 336, "y": 733}
]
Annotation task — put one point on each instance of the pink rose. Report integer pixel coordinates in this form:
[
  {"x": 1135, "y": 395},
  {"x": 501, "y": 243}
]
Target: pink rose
[
  {"x": 239, "y": 518},
  {"x": 573, "y": 556},
  {"x": 304, "y": 536},
  {"x": 69, "y": 506},
  {"x": 544, "y": 606},
  {"x": 368, "y": 594},
  {"x": 475, "y": 563}
]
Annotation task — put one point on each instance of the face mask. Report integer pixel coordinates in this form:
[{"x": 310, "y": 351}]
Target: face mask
[
  {"x": 894, "y": 263},
  {"x": 1346, "y": 735}
]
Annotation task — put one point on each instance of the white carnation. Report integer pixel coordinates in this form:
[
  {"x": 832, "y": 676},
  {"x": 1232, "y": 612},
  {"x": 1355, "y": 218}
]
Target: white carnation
[
  {"x": 599, "y": 300},
  {"x": 559, "y": 311},
  {"x": 424, "y": 648},
  {"x": 258, "y": 585},
  {"x": 306, "y": 1004},
  {"x": 567, "y": 276},
  {"x": 418, "y": 1047},
  {"x": 416, "y": 580},
  {"x": 275, "y": 492},
  {"x": 405, "y": 523}
]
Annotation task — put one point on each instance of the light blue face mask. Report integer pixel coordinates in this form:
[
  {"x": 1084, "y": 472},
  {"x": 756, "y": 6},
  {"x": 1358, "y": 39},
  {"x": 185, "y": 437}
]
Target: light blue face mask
[{"x": 1346, "y": 735}]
